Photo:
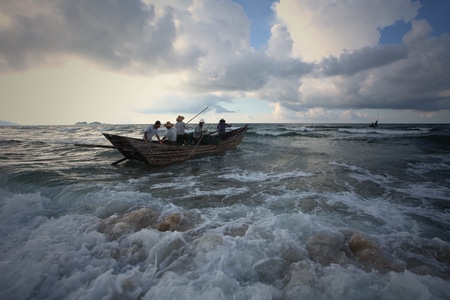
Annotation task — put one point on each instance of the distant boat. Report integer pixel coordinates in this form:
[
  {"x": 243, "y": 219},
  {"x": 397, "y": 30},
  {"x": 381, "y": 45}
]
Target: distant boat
[{"x": 155, "y": 154}]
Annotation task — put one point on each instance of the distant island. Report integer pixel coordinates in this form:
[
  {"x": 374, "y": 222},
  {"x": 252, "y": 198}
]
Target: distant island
[
  {"x": 86, "y": 123},
  {"x": 5, "y": 123}
]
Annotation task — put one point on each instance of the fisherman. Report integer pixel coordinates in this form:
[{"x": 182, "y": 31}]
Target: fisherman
[
  {"x": 151, "y": 131},
  {"x": 198, "y": 132},
  {"x": 171, "y": 136},
  {"x": 181, "y": 131},
  {"x": 221, "y": 127}
]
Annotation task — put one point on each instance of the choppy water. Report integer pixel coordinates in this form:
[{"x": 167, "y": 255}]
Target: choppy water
[{"x": 318, "y": 211}]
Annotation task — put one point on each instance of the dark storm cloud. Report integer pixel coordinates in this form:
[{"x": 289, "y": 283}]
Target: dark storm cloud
[
  {"x": 116, "y": 34},
  {"x": 412, "y": 76},
  {"x": 206, "y": 47},
  {"x": 422, "y": 81},
  {"x": 367, "y": 58},
  {"x": 193, "y": 105},
  {"x": 250, "y": 72},
  {"x": 132, "y": 36}
]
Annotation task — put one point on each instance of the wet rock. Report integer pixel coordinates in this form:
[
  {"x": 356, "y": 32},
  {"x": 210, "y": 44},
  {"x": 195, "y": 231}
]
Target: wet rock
[
  {"x": 133, "y": 255},
  {"x": 168, "y": 223},
  {"x": 443, "y": 255},
  {"x": 427, "y": 257},
  {"x": 327, "y": 247},
  {"x": 141, "y": 218},
  {"x": 300, "y": 279},
  {"x": 237, "y": 231},
  {"x": 308, "y": 205},
  {"x": 167, "y": 250},
  {"x": 270, "y": 270},
  {"x": 370, "y": 255},
  {"x": 115, "y": 253},
  {"x": 439, "y": 250},
  {"x": 291, "y": 252},
  {"x": 175, "y": 222},
  {"x": 116, "y": 226},
  {"x": 359, "y": 243},
  {"x": 208, "y": 242}
]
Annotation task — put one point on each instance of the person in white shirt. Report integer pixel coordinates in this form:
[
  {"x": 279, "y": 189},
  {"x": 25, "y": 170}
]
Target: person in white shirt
[
  {"x": 180, "y": 126},
  {"x": 151, "y": 131},
  {"x": 171, "y": 136},
  {"x": 198, "y": 132}
]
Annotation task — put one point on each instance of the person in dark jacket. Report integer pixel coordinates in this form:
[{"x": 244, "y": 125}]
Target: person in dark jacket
[{"x": 221, "y": 127}]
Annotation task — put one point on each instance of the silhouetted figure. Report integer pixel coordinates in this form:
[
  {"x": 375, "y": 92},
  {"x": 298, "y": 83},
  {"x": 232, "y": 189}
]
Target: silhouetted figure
[{"x": 221, "y": 127}]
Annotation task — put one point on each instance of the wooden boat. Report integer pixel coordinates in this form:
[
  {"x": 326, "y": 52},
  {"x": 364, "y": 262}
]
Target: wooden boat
[{"x": 156, "y": 154}]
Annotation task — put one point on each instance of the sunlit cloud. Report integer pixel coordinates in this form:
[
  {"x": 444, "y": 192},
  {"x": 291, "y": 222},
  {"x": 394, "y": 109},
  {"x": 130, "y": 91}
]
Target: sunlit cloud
[{"x": 131, "y": 61}]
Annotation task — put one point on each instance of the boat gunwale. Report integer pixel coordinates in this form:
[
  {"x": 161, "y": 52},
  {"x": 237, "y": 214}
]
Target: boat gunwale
[{"x": 156, "y": 154}]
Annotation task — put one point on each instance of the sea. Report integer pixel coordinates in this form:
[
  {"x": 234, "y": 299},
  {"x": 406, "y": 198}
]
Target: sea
[{"x": 297, "y": 211}]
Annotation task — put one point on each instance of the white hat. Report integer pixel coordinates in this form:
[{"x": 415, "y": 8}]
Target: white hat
[{"x": 202, "y": 121}]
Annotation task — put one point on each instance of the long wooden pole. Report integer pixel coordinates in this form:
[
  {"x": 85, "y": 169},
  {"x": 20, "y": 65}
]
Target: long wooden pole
[
  {"x": 197, "y": 115},
  {"x": 96, "y": 146},
  {"x": 119, "y": 161},
  {"x": 198, "y": 143}
]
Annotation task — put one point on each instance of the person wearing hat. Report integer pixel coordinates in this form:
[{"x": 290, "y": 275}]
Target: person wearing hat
[
  {"x": 171, "y": 136},
  {"x": 198, "y": 132},
  {"x": 221, "y": 127},
  {"x": 180, "y": 127},
  {"x": 152, "y": 130}
]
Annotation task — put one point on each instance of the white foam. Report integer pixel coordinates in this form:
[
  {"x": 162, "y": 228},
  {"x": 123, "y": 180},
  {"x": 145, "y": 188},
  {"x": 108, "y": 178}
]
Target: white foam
[
  {"x": 270, "y": 132},
  {"x": 66, "y": 257},
  {"x": 304, "y": 129},
  {"x": 218, "y": 192},
  {"x": 429, "y": 164},
  {"x": 253, "y": 176},
  {"x": 257, "y": 249},
  {"x": 177, "y": 183},
  {"x": 389, "y": 132}
]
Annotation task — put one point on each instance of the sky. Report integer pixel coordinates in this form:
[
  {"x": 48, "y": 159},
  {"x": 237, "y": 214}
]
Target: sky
[{"x": 248, "y": 61}]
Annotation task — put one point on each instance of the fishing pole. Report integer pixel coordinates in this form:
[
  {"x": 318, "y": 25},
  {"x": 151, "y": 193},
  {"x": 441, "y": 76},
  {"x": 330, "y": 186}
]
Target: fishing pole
[
  {"x": 197, "y": 115},
  {"x": 199, "y": 140}
]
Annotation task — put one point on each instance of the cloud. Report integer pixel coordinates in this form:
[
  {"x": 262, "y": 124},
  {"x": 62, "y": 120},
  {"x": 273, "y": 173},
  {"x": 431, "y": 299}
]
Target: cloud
[
  {"x": 280, "y": 42},
  {"x": 171, "y": 54},
  {"x": 413, "y": 76},
  {"x": 128, "y": 35},
  {"x": 247, "y": 72},
  {"x": 352, "y": 70},
  {"x": 350, "y": 63},
  {"x": 173, "y": 102},
  {"x": 320, "y": 28}
]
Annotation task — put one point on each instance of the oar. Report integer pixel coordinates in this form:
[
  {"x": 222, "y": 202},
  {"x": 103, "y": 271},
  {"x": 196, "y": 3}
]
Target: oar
[
  {"x": 197, "y": 115},
  {"x": 104, "y": 146},
  {"x": 199, "y": 140},
  {"x": 95, "y": 146},
  {"x": 198, "y": 143},
  {"x": 119, "y": 161}
]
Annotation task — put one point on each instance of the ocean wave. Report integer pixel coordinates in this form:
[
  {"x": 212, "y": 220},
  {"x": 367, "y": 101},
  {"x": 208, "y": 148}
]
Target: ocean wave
[
  {"x": 390, "y": 132},
  {"x": 283, "y": 132},
  {"x": 305, "y": 214},
  {"x": 247, "y": 176}
]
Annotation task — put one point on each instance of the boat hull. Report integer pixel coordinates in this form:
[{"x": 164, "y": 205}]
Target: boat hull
[{"x": 156, "y": 154}]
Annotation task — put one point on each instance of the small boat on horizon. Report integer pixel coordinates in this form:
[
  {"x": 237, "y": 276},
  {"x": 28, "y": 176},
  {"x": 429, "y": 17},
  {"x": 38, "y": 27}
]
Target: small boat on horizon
[{"x": 374, "y": 124}]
